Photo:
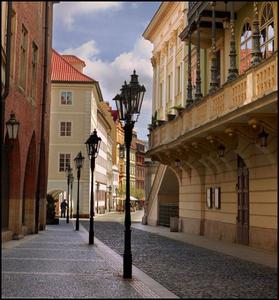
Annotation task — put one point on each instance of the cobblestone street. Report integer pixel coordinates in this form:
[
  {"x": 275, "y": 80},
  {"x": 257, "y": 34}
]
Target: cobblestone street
[
  {"x": 57, "y": 263},
  {"x": 190, "y": 271}
]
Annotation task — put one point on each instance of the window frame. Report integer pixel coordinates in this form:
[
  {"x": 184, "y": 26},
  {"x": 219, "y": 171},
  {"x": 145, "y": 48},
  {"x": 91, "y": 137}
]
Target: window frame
[
  {"x": 23, "y": 58},
  {"x": 66, "y": 122},
  {"x": 265, "y": 26},
  {"x": 248, "y": 57},
  {"x": 60, "y": 98},
  {"x": 34, "y": 67},
  {"x": 59, "y": 156}
]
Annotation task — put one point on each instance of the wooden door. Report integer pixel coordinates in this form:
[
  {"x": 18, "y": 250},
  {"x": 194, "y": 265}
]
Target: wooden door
[{"x": 242, "y": 219}]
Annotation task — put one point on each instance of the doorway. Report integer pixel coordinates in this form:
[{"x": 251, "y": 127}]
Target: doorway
[
  {"x": 168, "y": 198},
  {"x": 242, "y": 219}
]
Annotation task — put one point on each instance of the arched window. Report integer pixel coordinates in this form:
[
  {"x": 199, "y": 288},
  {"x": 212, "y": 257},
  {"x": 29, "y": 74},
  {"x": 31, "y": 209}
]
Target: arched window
[
  {"x": 245, "y": 48},
  {"x": 267, "y": 31}
]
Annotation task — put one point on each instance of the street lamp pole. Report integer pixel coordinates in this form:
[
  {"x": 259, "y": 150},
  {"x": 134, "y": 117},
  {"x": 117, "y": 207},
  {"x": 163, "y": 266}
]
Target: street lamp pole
[
  {"x": 68, "y": 183},
  {"x": 109, "y": 202},
  {"x": 128, "y": 105},
  {"x": 79, "y": 163},
  {"x": 71, "y": 201},
  {"x": 127, "y": 250},
  {"x": 69, "y": 173},
  {"x": 93, "y": 145}
]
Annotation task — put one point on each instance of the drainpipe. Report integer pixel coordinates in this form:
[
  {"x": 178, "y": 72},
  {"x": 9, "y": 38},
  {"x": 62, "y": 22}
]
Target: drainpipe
[
  {"x": 5, "y": 94},
  {"x": 43, "y": 105}
]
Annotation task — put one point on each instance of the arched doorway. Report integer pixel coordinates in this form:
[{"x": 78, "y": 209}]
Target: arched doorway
[
  {"x": 5, "y": 189},
  {"x": 29, "y": 189},
  {"x": 58, "y": 195},
  {"x": 242, "y": 219},
  {"x": 168, "y": 198},
  {"x": 15, "y": 187}
]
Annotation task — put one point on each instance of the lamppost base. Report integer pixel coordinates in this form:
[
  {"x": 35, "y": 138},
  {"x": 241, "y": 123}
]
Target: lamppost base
[
  {"x": 91, "y": 238},
  {"x": 127, "y": 265}
]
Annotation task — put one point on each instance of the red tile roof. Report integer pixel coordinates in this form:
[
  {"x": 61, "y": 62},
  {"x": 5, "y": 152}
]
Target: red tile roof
[
  {"x": 73, "y": 59},
  {"x": 63, "y": 71}
]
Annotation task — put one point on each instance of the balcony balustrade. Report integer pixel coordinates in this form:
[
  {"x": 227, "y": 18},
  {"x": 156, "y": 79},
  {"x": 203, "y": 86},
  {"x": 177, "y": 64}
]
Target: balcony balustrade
[{"x": 251, "y": 86}]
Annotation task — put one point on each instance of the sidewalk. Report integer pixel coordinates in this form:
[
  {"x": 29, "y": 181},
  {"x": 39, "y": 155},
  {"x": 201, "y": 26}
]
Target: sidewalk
[
  {"x": 59, "y": 263},
  {"x": 255, "y": 255}
]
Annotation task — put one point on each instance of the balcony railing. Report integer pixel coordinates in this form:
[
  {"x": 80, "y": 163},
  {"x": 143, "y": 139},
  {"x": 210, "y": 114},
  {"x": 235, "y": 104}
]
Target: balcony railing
[
  {"x": 257, "y": 82},
  {"x": 195, "y": 8}
]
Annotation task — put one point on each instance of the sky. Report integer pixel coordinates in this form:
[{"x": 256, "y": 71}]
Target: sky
[{"x": 108, "y": 37}]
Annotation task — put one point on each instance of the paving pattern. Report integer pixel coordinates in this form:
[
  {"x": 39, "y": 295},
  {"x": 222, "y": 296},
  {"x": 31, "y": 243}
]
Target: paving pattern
[
  {"x": 60, "y": 265},
  {"x": 190, "y": 271}
]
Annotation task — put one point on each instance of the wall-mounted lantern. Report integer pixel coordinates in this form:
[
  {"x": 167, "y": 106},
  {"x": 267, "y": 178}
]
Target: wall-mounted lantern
[
  {"x": 12, "y": 127},
  {"x": 221, "y": 150},
  {"x": 263, "y": 138}
]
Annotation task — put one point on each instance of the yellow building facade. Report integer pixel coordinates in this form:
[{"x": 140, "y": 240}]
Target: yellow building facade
[{"x": 218, "y": 155}]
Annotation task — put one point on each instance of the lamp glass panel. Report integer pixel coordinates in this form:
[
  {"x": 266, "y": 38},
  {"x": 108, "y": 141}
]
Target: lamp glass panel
[{"x": 10, "y": 131}]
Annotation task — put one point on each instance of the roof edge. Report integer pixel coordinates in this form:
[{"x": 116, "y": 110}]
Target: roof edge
[{"x": 93, "y": 80}]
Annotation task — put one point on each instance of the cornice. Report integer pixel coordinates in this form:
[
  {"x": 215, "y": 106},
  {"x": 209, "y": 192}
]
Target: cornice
[{"x": 160, "y": 14}]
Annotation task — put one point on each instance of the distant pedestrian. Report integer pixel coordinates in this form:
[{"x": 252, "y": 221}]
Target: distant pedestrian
[{"x": 63, "y": 207}]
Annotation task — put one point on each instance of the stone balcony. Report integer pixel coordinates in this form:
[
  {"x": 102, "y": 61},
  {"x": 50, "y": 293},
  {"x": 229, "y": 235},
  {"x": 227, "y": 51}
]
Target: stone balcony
[{"x": 222, "y": 107}]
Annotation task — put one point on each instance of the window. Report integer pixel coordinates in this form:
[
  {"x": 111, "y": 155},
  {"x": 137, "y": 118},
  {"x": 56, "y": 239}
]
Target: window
[
  {"x": 169, "y": 88},
  {"x": 245, "y": 48},
  {"x": 64, "y": 161},
  {"x": 34, "y": 69},
  {"x": 23, "y": 57},
  {"x": 178, "y": 89},
  {"x": 193, "y": 69},
  {"x": 13, "y": 41},
  {"x": 218, "y": 67},
  {"x": 66, "y": 98},
  {"x": 267, "y": 31},
  {"x": 161, "y": 95},
  {"x": 65, "y": 128}
]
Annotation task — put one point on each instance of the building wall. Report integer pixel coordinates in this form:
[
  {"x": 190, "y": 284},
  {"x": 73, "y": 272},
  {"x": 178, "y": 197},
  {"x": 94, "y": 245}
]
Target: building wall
[
  {"x": 22, "y": 160},
  {"x": 83, "y": 115},
  {"x": 168, "y": 56},
  {"x": 221, "y": 223}
]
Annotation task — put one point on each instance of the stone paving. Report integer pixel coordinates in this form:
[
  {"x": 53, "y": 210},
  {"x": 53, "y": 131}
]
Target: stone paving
[
  {"x": 59, "y": 265},
  {"x": 190, "y": 271}
]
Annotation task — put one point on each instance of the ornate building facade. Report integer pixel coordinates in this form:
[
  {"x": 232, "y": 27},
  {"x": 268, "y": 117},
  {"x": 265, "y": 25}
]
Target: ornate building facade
[{"x": 217, "y": 157}]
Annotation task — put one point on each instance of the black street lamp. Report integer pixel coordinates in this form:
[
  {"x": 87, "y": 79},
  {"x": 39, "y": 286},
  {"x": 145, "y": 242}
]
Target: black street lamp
[
  {"x": 69, "y": 174},
  {"x": 79, "y": 163},
  {"x": 221, "y": 150},
  {"x": 71, "y": 199},
  {"x": 116, "y": 198},
  {"x": 93, "y": 145},
  {"x": 128, "y": 104},
  {"x": 263, "y": 138},
  {"x": 109, "y": 196}
]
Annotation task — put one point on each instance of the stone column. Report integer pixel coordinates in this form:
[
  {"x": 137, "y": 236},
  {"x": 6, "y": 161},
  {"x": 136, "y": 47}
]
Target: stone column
[
  {"x": 233, "y": 71},
  {"x": 213, "y": 83},
  {"x": 165, "y": 53},
  {"x": 154, "y": 90},
  {"x": 189, "y": 100},
  {"x": 157, "y": 100},
  {"x": 174, "y": 79},
  {"x": 198, "y": 94},
  {"x": 256, "y": 49}
]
